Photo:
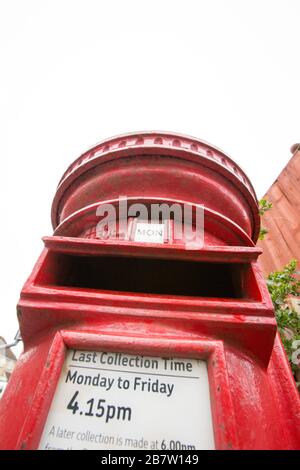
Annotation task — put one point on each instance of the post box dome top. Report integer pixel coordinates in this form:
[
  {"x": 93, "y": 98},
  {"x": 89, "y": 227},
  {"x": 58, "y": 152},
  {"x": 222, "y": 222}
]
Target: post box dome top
[{"x": 118, "y": 158}]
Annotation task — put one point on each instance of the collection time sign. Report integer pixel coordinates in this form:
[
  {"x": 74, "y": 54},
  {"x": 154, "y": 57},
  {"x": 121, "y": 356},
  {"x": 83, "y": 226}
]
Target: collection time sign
[{"x": 107, "y": 400}]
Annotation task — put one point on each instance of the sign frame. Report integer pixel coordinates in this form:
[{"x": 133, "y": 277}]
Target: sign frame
[{"x": 223, "y": 416}]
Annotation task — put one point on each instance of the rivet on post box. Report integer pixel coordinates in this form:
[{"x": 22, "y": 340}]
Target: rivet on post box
[{"x": 146, "y": 320}]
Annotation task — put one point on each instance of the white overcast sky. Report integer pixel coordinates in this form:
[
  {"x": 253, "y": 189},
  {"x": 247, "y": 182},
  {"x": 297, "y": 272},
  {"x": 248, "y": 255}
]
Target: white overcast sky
[{"x": 75, "y": 72}]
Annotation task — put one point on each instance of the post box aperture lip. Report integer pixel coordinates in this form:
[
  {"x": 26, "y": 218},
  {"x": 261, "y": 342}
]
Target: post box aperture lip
[{"x": 148, "y": 276}]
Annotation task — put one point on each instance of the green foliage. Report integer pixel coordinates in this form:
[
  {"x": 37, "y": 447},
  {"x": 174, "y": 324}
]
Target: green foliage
[
  {"x": 263, "y": 207},
  {"x": 281, "y": 285},
  {"x": 262, "y": 233}
]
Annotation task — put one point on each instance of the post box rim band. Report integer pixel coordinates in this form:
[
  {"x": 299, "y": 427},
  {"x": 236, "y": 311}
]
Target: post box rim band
[{"x": 160, "y": 144}]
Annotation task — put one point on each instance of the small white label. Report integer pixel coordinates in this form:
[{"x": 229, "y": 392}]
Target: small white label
[
  {"x": 149, "y": 233},
  {"x": 107, "y": 400}
]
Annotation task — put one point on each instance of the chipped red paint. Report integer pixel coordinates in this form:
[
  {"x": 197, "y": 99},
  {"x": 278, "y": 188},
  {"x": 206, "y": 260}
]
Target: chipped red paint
[{"x": 255, "y": 404}]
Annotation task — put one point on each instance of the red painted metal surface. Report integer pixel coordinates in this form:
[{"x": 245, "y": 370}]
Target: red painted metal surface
[{"x": 254, "y": 401}]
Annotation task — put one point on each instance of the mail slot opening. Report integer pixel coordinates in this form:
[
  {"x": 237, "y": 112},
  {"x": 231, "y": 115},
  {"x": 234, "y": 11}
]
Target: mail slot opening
[{"x": 149, "y": 276}]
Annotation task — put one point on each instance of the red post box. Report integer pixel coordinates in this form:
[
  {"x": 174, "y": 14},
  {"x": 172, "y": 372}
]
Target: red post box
[{"x": 135, "y": 338}]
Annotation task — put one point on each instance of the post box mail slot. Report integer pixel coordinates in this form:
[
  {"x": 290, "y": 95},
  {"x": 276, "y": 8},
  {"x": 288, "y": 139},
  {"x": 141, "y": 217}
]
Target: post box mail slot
[{"x": 149, "y": 276}]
